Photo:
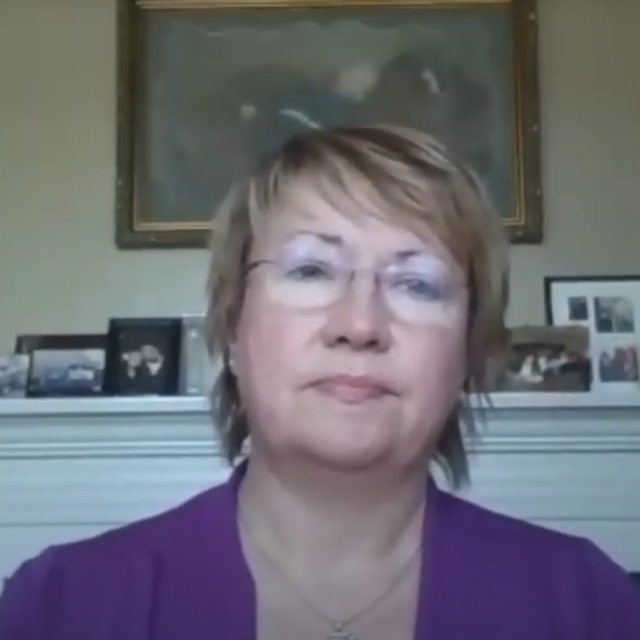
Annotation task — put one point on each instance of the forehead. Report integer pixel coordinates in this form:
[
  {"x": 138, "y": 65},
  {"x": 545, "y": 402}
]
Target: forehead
[{"x": 341, "y": 220}]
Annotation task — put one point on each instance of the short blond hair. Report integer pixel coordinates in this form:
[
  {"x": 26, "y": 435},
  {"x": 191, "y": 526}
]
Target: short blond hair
[{"x": 404, "y": 175}]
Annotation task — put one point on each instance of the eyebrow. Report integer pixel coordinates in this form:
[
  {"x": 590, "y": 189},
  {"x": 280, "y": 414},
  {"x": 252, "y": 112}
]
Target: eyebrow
[
  {"x": 337, "y": 241},
  {"x": 331, "y": 239},
  {"x": 407, "y": 254}
]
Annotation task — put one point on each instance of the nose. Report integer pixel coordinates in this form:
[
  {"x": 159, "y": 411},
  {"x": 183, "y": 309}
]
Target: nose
[{"x": 359, "y": 320}]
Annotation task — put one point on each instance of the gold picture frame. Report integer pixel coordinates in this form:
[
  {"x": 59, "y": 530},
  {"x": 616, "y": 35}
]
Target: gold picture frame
[{"x": 186, "y": 91}]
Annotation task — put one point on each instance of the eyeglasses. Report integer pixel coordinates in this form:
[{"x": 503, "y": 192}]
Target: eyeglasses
[{"x": 411, "y": 293}]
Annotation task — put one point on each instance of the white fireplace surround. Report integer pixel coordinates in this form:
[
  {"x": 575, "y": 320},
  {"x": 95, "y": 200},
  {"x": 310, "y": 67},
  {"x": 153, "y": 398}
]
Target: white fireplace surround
[{"x": 72, "y": 468}]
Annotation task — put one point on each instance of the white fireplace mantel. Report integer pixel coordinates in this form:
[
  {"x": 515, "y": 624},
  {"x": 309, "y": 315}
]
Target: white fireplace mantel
[{"x": 70, "y": 468}]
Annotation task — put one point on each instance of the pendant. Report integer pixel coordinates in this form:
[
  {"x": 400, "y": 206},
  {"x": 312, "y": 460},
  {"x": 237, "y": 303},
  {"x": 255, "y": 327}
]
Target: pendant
[{"x": 339, "y": 633}]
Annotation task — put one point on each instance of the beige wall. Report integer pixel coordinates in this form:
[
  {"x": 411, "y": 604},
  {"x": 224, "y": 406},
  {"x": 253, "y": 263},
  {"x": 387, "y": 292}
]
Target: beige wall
[{"x": 59, "y": 269}]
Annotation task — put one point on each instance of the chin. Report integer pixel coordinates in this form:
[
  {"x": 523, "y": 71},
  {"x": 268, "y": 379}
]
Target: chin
[{"x": 346, "y": 456}]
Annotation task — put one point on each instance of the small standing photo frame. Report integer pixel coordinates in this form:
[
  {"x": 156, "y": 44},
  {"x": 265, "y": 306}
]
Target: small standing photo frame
[
  {"x": 609, "y": 307},
  {"x": 14, "y": 374},
  {"x": 549, "y": 359},
  {"x": 143, "y": 356},
  {"x": 197, "y": 369},
  {"x": 64, "y": 365}
]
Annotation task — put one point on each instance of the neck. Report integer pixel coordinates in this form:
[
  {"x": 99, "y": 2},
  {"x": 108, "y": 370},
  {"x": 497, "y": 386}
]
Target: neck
[{"x": 312, "y": 515}]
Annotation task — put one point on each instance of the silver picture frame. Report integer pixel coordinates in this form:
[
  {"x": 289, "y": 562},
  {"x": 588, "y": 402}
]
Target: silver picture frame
[{"x": 198, "y": 371}]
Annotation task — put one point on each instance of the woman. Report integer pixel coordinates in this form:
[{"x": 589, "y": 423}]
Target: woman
[{"x": 357, "y": 286}]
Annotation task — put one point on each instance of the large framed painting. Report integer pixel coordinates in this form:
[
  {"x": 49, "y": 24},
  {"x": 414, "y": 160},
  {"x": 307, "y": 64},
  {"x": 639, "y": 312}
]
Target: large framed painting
[{"x": 207, "y": 87}]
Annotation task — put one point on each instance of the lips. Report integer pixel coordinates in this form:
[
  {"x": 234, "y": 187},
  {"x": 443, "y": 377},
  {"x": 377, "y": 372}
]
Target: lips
[{"x": 352, "y": 389}]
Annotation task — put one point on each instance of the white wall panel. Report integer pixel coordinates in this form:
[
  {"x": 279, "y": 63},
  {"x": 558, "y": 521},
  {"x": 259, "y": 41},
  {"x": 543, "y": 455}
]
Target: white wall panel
[{"x": 72, "y": 468}]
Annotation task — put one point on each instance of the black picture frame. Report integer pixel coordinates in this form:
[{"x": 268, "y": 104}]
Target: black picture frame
[
  {"x": 64, "y": 365},
  {"x": 143, "y": 357},
  {"x": 28, "y": 342},
  {"x": 549, "y": 282},
  {"x": 609, "y": 307}
]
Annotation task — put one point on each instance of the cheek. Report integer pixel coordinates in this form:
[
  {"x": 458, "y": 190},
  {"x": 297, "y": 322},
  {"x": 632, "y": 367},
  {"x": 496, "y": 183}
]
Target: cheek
[
  {"x": 441, "y": 356},
  {"x": 269, "y": 339},
  {"x": 436, "y": 364},
  {"x": 445, "y": 317}
]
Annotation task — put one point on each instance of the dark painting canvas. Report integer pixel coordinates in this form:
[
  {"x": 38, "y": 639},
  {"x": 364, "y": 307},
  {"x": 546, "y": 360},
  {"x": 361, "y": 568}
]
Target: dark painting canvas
[{"x": 217, "y": 88}]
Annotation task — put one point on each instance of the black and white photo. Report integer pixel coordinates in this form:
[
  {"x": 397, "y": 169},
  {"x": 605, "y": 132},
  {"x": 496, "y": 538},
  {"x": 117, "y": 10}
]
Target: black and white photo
[
  {"x": 542, "y": 358},
  {"x": 614, "y": 314},
  {"x": 64, "y": 365},
  {"x": 143, "y": 356},
  {"x": 608, "y": 307},
  {"x": 14, "y": 371},
  {"x": 66, "y": 372},
  {"x": 578, "y": 308},
  {"x": 618, "y": 363}
]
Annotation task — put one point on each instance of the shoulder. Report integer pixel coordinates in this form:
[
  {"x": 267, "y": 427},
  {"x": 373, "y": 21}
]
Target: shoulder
[
  {"x": 532, "y": 569},
  {"x": 116, "y": 571}
]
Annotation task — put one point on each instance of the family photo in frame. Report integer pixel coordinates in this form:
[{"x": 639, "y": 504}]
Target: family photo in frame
[
  {"x": 609, "y": 308},
  {"x": 135, "y": 356}
]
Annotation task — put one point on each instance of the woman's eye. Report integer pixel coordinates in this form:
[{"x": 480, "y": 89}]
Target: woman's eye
[
  {"x": 419, "y": 287},
  {"x": 309, "y": 271}
]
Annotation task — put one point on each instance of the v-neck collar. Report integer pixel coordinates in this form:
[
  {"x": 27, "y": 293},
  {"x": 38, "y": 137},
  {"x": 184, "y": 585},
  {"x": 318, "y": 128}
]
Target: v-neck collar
[
  {"x": 243, "y": 598},
  {"x": 241, "y": 588},
  {"x": 436, "y": 538}
]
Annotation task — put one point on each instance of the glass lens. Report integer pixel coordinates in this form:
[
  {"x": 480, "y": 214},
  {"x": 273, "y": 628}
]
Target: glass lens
[
  {"x": 311, "y": 275},
  {"x": 308, "y": 276}
]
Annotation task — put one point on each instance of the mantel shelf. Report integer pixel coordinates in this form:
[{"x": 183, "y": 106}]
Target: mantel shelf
[
  {"x": 154, "y": 426},
  {"x": 149, "y": 405}
]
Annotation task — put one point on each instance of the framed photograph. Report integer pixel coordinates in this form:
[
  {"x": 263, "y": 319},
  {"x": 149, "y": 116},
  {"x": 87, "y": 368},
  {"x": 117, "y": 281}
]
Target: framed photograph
[
  {"x": 197, "y": 370},
  {"x": 143, "y": 356},
  {"x": 207, "y": 87},
  {"x": 609, "y": 307},
  {"x": 64, "y": 365},
  {"x": 542, "y": 358},
  {"x": 14, "y": 373}
]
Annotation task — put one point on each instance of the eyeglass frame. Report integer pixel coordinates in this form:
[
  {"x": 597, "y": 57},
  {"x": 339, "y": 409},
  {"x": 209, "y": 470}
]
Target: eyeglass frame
[{"x": 353, "y": 272}]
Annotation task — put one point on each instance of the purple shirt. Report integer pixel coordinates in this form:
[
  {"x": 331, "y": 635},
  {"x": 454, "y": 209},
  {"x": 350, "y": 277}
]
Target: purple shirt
[{"x": 181, "y": 575}]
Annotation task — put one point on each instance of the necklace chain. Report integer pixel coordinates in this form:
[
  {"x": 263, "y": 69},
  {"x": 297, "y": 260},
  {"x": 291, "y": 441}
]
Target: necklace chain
[{"x": 339, "y": 628}]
